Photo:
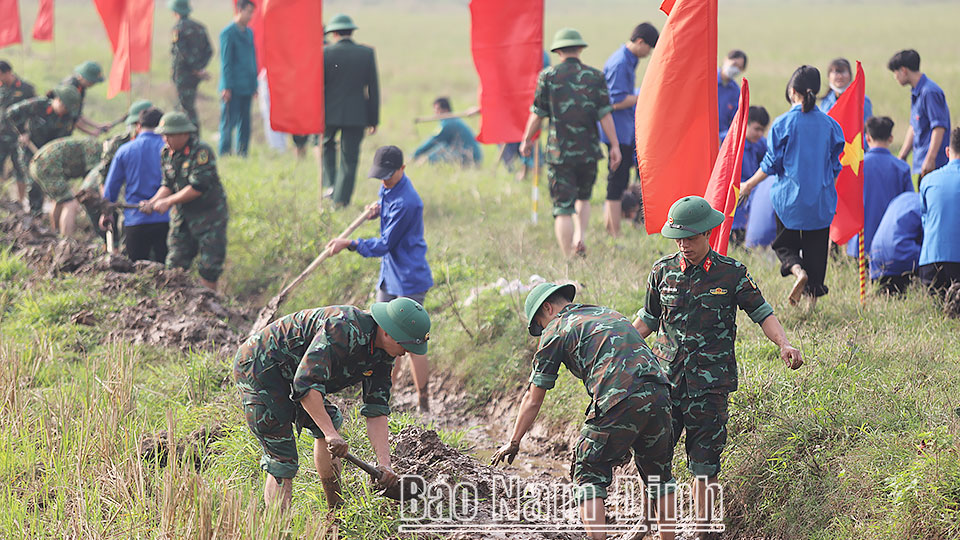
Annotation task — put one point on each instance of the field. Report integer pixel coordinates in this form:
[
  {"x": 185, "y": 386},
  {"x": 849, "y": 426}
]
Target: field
[{"x": 859, "y": 443}]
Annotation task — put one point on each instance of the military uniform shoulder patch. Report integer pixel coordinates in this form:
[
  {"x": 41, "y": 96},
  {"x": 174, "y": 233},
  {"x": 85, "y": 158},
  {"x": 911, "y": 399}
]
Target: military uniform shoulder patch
[
  {"x": 203, "y": 156},
  {"x": 718, "y": 291},
  {"x": 752, "y": 282}
]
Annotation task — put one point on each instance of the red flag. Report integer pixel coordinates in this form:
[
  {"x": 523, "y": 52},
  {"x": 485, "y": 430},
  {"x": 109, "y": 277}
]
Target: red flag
[
  {"x": 119, "y": 80},
  {"x": 848, "y": 112},
  {"x": 677, "y": 124},
  {"x": 10, "y": 23},
  {"x": 506, "y": 37},
  {"x": 140, "y": 15},
  {"x": 723, "y": 189},
  {"x": 129, "y": 25},
  {"x": 43, "y": 26},
  {"x": 293, "y": 55}
]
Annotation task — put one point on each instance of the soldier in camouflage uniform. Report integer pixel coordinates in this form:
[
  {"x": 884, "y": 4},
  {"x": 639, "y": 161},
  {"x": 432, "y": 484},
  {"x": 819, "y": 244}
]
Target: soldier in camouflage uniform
[
  {"x": 13, "y": 90},
  {"x": 191, "y": 184},
  {"x": 37, "y": 121},
  {"x": 286, "y": 371},
  {"x": 692, "y": 300},
  {"x": 58, "y": 162},
  {"x": 630, "y": 405},
  {"x": 191, "y": 52},
  {"x": 84, "y": 76},
  {"x": 574, "y": 97}
]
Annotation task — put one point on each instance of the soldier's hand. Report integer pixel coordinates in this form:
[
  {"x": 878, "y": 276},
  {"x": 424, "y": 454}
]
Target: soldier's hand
[
  {"x": 25, "y": 139},
  {"x": 615, "y": 157},
  {"x": 105, "y": 222},
  {"x": 373, "y": 210},
  {"x": 525, "y": 148},
  {"x": 388, "y": 479},
  {"x": 337, "y": 446},
  {"x": 145, "y": 207},
  {"x": 371, "y": 130},
  {"x": 161, "y": 206},
  {"x": 791, "y": 357},
  {"x": 506, "y": 452}
]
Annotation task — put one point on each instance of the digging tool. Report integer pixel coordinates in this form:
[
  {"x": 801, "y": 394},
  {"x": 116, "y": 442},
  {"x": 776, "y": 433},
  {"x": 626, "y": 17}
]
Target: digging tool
[
  {"x": 406, "y": 488},
  {"x": 92, "y": 199},
  {"x": 110, "y": 240},
  {"x": 112, "y": 125},
  {"x": 269, "y": 312}
]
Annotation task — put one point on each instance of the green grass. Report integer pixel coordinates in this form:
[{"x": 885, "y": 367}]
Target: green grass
[{"x": 859, "y": 443}]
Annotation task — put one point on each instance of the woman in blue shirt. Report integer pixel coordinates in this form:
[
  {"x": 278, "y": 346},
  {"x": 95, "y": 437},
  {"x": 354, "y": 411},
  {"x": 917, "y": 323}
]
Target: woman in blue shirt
[
  {"x": 839, "y": 77},
  {"x": 803, "y": 150}
]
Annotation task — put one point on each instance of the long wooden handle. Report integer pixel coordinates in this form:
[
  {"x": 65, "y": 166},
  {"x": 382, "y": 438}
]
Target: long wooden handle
[{"x": 367, "y": 468}]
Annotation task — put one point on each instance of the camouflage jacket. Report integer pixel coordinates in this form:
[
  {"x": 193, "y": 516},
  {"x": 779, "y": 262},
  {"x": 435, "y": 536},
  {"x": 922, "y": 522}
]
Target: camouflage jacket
[
  {"x": 74, "y": 81},
  {"x": 575, "y": 98},
  {"x": 693, "y": 309},
  {"x": 67, "y": 158},
  {"x": 98, "y": 175},
  {"x": 600, "y": 347},
  {"x": 325, "y": 349},
  {"x": 37, "y": 116},
  {"x": 190, "y": 49},
  {"x": 195, "y": 165},
  {"x": 15, "y": 93}
]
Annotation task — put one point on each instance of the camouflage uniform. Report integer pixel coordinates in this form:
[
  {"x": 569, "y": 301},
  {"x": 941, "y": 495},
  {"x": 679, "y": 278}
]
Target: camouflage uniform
[
  {"x": 11, "y": 95},
  {"x": 191, "y": 52},
  {"x": 36, "y": 115},
  {"x": 74, "y": 81},
  {"x": 326, "y": 349},
  {"x": 575, "y": 98},
  {"x": 198, "y": 227},
  {"x": 694, "y": 310},
  {"x": 630, "y": 405},
  {"x": 62, "y": 160},
  {"x": 98, "y": 176}
]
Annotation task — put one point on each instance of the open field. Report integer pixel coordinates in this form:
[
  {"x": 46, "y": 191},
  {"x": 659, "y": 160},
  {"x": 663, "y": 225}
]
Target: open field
[{"x": 859, "y": 443}]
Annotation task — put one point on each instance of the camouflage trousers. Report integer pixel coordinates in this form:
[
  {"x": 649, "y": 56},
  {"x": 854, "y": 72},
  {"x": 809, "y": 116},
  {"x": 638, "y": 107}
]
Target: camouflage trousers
[
  {"x": 640, "y": 422},
  {"x": 54, "y": 183},
  {"x": 187, "y": 101},
  {"x": 570, "y": 183},
  {"x": 704, "y": 418},
  {"x": 9, "y": 150},
  {"x": 205, "y": 241},
  {"x": 270, "y": 413},
  {"x": 34, "y": 191}
]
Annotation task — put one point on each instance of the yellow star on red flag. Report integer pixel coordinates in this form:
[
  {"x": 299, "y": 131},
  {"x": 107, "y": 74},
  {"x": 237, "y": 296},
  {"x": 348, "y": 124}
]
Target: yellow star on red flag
[{"x": 853, "y": 154}]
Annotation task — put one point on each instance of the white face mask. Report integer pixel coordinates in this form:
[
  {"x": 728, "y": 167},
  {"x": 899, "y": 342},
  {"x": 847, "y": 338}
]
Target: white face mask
[
  {"x": 837, "y": 89},
  {"x": 731, "y": 71}
]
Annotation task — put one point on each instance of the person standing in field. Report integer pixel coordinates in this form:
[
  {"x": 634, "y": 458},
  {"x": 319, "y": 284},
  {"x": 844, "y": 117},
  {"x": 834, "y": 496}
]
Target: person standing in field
[
  {"x": 85, "y": 76},
  {"x": 13, "y": 90},
  {"x": 620, "y": 72},
  {"x": 191, "y": 52},
  {"x": 238, "y": 80},
  {"x": 754, "y": 148},
  {"x": 803, "y": 150},
  {"x": 929, "y": 115},
  {"x": 940, "y": 203},
  {"x": 574, "y": 97},
  {"x": 728, "y": 91},
  {"x": 839, "y": 77}
]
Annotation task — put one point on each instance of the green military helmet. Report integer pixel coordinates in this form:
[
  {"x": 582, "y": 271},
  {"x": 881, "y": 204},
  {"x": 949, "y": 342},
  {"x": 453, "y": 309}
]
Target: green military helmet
[
  {"x": 175, "y": 122},
  {"x": 405, "y": 321},
  {"x": 90, "y": 71},
  {"x": 690, "y": 216},
  {"x": 339, "y": 22},
  {"x": 567, "y": 37},
  {"x": 538, "y": 295},
  {"x": 181, "y": 7},
  {"x": 69, "y": 96},
  {"x": 133, "y": 115}
]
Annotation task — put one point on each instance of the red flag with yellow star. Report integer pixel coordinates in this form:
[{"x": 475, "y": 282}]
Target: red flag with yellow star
[
  {"x": 848, "y": 112},
  {"x": 723, "y": 189}
]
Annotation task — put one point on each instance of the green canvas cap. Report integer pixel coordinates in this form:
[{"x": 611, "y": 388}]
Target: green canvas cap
[
  {"x": 567, "y": 37},
  {"x": 405, "y": 321},
  {"x": 339, "y": 22},
  {"x": 175, "y": 122},
  {"x": 179, "y": 6},
  {"x": 538, "y": 295},
  {"x": 69, "y": 96},
  {"x": 133, "y": 115},
  {"x": 689, "y": 216},
  {"x": 91, "y": 71}
]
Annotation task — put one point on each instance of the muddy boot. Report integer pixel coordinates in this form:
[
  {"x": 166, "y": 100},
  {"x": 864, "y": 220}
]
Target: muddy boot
[
  {"x": 423, "y": 394},
  {"x": 799, "y": 285},
  {"x": 331, "y": 489}
]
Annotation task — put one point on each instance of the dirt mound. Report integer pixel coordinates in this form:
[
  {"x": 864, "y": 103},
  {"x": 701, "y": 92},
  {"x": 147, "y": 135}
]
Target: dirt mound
[{"x": 173, "y": 310}]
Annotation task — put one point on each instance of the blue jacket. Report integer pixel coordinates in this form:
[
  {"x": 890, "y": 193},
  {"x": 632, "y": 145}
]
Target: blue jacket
[
  {"x": 884, "y": 177},
  {"x": 454, "y": 142},
  {"x": 940, "y": 200},
  {"x": 762, "y": 220},
  {"x": 137, "y": 165},
  {"x": 238, "y": 60},
  {"x": 403, "y": 267},
  {"x": 752, "y": 154},
  {"x": 895, "y": 249},
  {"x": 728, "y": 99}
]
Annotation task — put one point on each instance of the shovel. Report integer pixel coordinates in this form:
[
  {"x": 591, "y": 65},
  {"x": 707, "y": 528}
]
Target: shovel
[
  {"x": 407, "y": 488},
  {"x": 269, "y": 312}
]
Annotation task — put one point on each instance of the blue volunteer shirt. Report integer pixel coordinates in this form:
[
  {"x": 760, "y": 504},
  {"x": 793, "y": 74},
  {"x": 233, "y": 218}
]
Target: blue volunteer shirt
[
  {"x": 753, "y": 152},
  {"x": 403, "y": 267},
  {"x": 454, "y": 141},
  {"x": 762, "y": 220},
  {"x": 895, "y": 249},
  {"x": 828, "y": 101},
  {"x": 940, "y": 201},
  {"x": 803, "y": 150},
  {"x": 238, "y": 60},
  {"x": 136, "y": 165},
  {"x": 884, "y": 177},
  {"x": 620, "y": 72},
  {"x": 728, "y": 99},
  {"x": 928, "y": 110}
]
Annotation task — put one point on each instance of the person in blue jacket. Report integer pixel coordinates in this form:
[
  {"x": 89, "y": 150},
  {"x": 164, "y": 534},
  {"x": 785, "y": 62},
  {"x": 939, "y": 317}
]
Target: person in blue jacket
[
  {"x": 238, "y": 80},
  {"x": 728, "y": 91},
  {"x": 940, "y": 202},
  {"x": 895, "y": 250},
  {"x": 454, "y": 143},
  {"x": 404, "y": 271},
  {"x": 839, "y": 77},
  {"x": 929, "y": 115},
  {"x": 803, "y": 150},
  {"x": 754, "y": 148}
]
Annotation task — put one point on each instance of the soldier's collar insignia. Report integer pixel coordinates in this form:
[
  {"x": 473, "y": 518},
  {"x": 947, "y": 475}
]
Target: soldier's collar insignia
[
  {"x": 368, "y": 373},
  {"x": 718, "y": 291},
  {"x": 186, "y": 150},
  {"x": 203, "y": 157},
  {"x": 707, "y": 263},
  {"x": 683, "y": 264}
]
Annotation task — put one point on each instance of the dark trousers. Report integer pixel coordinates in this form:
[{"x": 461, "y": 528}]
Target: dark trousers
[
  {"x": 895, "y": 285},
  {"x": 808, "y": 249},
  {"x": 938, "y": 277},
  {"x": 619, "y": 179},
  {"x": 187, "y": 101},
  {"x": 146, "y": 242},
  {"x": 343, "y": 179},
  {"x": 235, "y": 116}
]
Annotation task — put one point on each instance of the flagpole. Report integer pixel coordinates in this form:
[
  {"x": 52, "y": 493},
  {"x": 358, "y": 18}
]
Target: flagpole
[
  {"x": 535, "y": 191},
  {"x": 862, "y": 262}
]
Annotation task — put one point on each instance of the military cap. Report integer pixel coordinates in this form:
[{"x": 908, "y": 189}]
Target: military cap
[
  {"x": 90, "y": 71},
  {"x": 538, "y": 296},
  {"x": 405, "y": 321},
  {"x": 133, "y": 115},
  {"x": 338, "y": 23},
  {"x": 689, "y": 216},
  {"x": 179, "y": 6},
  {"x": 567, "y": 37},
  {"x": 69, "y": 96},
  {"x": 175, "y": 122}
]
